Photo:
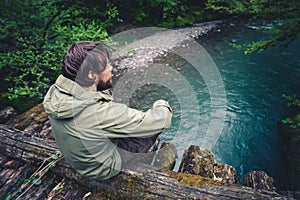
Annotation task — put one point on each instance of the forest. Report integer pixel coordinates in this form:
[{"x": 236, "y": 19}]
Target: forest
[{"x": 35, "y": 33}]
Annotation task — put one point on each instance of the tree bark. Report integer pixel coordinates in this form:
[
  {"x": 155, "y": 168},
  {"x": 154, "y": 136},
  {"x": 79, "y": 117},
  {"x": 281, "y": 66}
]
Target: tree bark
[{"x": 140, "y": 183}]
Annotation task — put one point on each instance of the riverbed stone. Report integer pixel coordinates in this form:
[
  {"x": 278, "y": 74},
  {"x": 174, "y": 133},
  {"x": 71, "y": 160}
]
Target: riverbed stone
[
  {"x": 258, "y": 180},
  {"x": 197, "y": 161},
  {"x": 225, "y": 173}
]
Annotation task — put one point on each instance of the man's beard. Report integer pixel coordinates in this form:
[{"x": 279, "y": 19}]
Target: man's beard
[{"x": 104, "y": 86}]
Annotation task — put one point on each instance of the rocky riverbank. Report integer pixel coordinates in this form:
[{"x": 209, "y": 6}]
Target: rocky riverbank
[{"x": 144, "y": 46}]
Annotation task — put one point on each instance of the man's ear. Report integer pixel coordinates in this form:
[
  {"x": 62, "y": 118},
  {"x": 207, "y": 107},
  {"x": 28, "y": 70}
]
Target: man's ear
[{"x": 92, "y": 75}]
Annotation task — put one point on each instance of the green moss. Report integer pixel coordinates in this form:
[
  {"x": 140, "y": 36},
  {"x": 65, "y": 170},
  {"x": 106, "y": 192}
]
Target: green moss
[
  {"x": 130, "y": 184},
  {"x": 193, "y": 180},
  {"x": 41, "y": 117},
  {"x": 23, "y": 120}
]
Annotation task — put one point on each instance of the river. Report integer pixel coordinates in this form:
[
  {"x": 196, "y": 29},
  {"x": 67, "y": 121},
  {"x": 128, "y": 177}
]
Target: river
[{"x": 253, "y": 84}]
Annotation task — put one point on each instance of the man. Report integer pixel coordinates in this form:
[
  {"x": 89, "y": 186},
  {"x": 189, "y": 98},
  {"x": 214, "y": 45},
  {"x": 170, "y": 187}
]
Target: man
[{"x": 96, "y": 135}]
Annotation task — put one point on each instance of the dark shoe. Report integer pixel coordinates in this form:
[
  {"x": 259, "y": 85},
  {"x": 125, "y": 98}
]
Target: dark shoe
[{"x": 154, "y": 146}]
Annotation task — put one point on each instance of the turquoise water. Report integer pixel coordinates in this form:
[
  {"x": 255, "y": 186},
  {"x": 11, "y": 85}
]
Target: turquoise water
[{"x": 254, "y": 85}]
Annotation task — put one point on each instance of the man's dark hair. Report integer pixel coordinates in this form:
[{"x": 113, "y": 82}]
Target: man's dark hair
[{"x": 83, "y": 57}]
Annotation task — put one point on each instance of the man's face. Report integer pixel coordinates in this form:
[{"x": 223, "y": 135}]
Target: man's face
[{"x": 105, "y": 80}]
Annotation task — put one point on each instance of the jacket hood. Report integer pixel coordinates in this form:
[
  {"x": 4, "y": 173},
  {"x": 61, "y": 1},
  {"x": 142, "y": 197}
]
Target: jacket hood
[{"x": 66, "y": 98}]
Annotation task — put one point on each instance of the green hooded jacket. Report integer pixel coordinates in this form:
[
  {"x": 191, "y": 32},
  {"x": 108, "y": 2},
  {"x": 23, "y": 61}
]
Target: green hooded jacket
[{"x": 84, "y": 122}]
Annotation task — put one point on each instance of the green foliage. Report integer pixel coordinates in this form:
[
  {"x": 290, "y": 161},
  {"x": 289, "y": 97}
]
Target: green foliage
[
  {"x": 8, "y": 197},
  {"x": 284, "y": 14},
  {"x": 293, "y": 122},
  {"x": 164, "y": 13},
  {"x": 259, "y": 8},
  {"x": 35, "y": 180},
  {"x": 224, "y": 6},
  {"x": 292, "y": 100},
  {"x": 255, "y": 46},
  {"x": 35, "y": 35},
  {"x": 55, "y": 156},
  {"x": 236, "y": 46}
]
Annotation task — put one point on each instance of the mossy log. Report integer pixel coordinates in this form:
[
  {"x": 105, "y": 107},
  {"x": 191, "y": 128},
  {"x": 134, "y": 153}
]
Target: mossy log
[{"x": 142, "y": 183}]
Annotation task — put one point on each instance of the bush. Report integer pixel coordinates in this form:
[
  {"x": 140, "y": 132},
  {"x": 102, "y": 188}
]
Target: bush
[{"x": 36, "y": 34}]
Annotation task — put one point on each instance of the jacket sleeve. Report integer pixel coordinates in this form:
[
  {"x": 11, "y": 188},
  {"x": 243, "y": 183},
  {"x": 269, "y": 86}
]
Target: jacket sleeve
[{"x": 122, "y": 121}]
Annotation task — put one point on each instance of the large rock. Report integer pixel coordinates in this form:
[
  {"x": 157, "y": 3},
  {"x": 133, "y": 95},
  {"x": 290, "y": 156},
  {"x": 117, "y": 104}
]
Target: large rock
[
  {"x": 258, "y": 180},
  {"x": 225, "y": 173},
  {"x": 166, "y": 156},
  {"x": 201, "y": 162},
  {"x": 197, "y": 161}
]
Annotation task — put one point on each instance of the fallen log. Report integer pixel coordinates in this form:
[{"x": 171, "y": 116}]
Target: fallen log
[{"x": 140, "y": 183}]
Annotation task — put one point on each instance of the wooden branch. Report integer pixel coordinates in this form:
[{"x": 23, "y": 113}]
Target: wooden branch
[{"x": 140, "y": 183}]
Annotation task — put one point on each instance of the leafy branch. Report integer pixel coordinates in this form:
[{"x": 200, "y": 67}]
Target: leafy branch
[
  {"x": 293, "y": 122},
  {"x": 36, "y": 177}
]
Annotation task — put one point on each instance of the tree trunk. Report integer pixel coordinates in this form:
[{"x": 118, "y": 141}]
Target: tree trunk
[{"x": 140, "y": 183}]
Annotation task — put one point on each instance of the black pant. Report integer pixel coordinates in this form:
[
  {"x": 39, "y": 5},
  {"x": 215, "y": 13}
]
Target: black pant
[{"x": 136, "y": 149}]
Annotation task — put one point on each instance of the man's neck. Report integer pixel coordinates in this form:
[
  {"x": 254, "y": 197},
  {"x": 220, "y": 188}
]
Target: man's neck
[{"x": 91, "y": 88}]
